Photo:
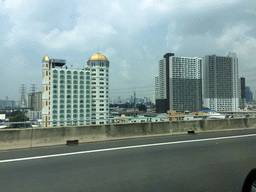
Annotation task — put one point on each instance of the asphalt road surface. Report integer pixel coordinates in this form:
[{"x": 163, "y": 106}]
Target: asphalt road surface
[{"x": 198, "y": 162}]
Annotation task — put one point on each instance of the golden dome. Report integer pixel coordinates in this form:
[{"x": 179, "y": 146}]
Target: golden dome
[
  {"x": 98, "y": 56},
  {"x": 46, "y": 58}
]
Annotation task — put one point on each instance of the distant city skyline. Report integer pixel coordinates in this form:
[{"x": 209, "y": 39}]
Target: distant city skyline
[{"x": 133, "y": 41}]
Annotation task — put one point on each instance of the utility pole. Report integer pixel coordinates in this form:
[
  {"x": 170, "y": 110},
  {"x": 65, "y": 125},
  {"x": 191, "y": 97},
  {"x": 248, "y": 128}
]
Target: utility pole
[
  {"x": 134, "y": 106},
  {"x": 22, "y": 96}
]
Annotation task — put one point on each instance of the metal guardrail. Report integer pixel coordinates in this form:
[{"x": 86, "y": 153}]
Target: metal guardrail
[{"x": 128, "y": 119}]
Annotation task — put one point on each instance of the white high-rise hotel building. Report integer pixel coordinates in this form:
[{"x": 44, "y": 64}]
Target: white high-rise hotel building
[{"x": 75, "y": 96}]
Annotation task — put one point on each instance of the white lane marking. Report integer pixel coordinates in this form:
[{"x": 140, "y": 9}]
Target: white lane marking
[{"x": 126, "y": 147}]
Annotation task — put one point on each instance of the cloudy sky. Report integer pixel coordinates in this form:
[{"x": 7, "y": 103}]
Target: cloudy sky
[{"x": 133, "y": 35}]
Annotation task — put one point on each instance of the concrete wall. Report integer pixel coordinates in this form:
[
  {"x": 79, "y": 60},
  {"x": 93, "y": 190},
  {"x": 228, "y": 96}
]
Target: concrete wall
[
  {"x": 36, "y": 137},
  {"x": 60, "y": 135},
  {"x": 15, "y": 138}
]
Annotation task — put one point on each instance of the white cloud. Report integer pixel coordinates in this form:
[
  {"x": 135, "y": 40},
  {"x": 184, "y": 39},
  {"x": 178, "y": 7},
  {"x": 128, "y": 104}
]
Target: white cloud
[
  {"x": 232, "y": 35},
  {"x": 115, "y": 6},
  {"x": 109, "y": 52},
  {"x": 163, "y": 6},
  {"x": 124, "y": 66},
  {"x": 131, "y": 34},
  {"x": 83, "y": 37}
]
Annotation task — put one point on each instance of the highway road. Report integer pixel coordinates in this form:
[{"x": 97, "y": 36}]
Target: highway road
[{"x": 216, "y": 161}]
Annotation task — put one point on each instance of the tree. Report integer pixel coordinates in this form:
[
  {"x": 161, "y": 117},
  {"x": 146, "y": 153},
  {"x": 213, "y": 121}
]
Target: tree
[
  {"x": 205, "y": 108},
  {"x": 11, "y": 114},
  {"x": 19, "y": 118},
  {"x": 142, "y": 107}
]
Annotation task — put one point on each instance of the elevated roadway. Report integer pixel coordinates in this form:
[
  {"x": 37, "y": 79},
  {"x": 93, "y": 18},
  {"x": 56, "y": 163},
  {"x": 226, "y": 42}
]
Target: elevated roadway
[{"x": 198, "y": 162}]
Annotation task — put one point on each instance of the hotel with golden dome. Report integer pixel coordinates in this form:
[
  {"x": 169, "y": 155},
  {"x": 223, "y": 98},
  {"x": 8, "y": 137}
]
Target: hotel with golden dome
[{"x": 73, "y": 96}]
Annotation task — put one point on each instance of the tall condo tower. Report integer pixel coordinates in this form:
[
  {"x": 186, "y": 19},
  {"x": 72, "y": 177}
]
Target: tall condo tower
[
  {"x": 220, "y": 82},
  {"x": 162, "y": 85},
  {"x": 185, "y": 84}
]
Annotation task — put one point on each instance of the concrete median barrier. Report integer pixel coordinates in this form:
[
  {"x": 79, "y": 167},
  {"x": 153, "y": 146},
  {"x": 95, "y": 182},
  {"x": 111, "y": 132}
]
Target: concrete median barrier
[
  {"x": 15, "y": 138},
  {"x": 160, "y": 127},
  {"x": 128, "y": 129},
  {"x": 60, "y": 135},
  {"x": 185, "y": 126},
  {"x": 37, "y": 137},
  {"x": 214, "y": 124}
]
